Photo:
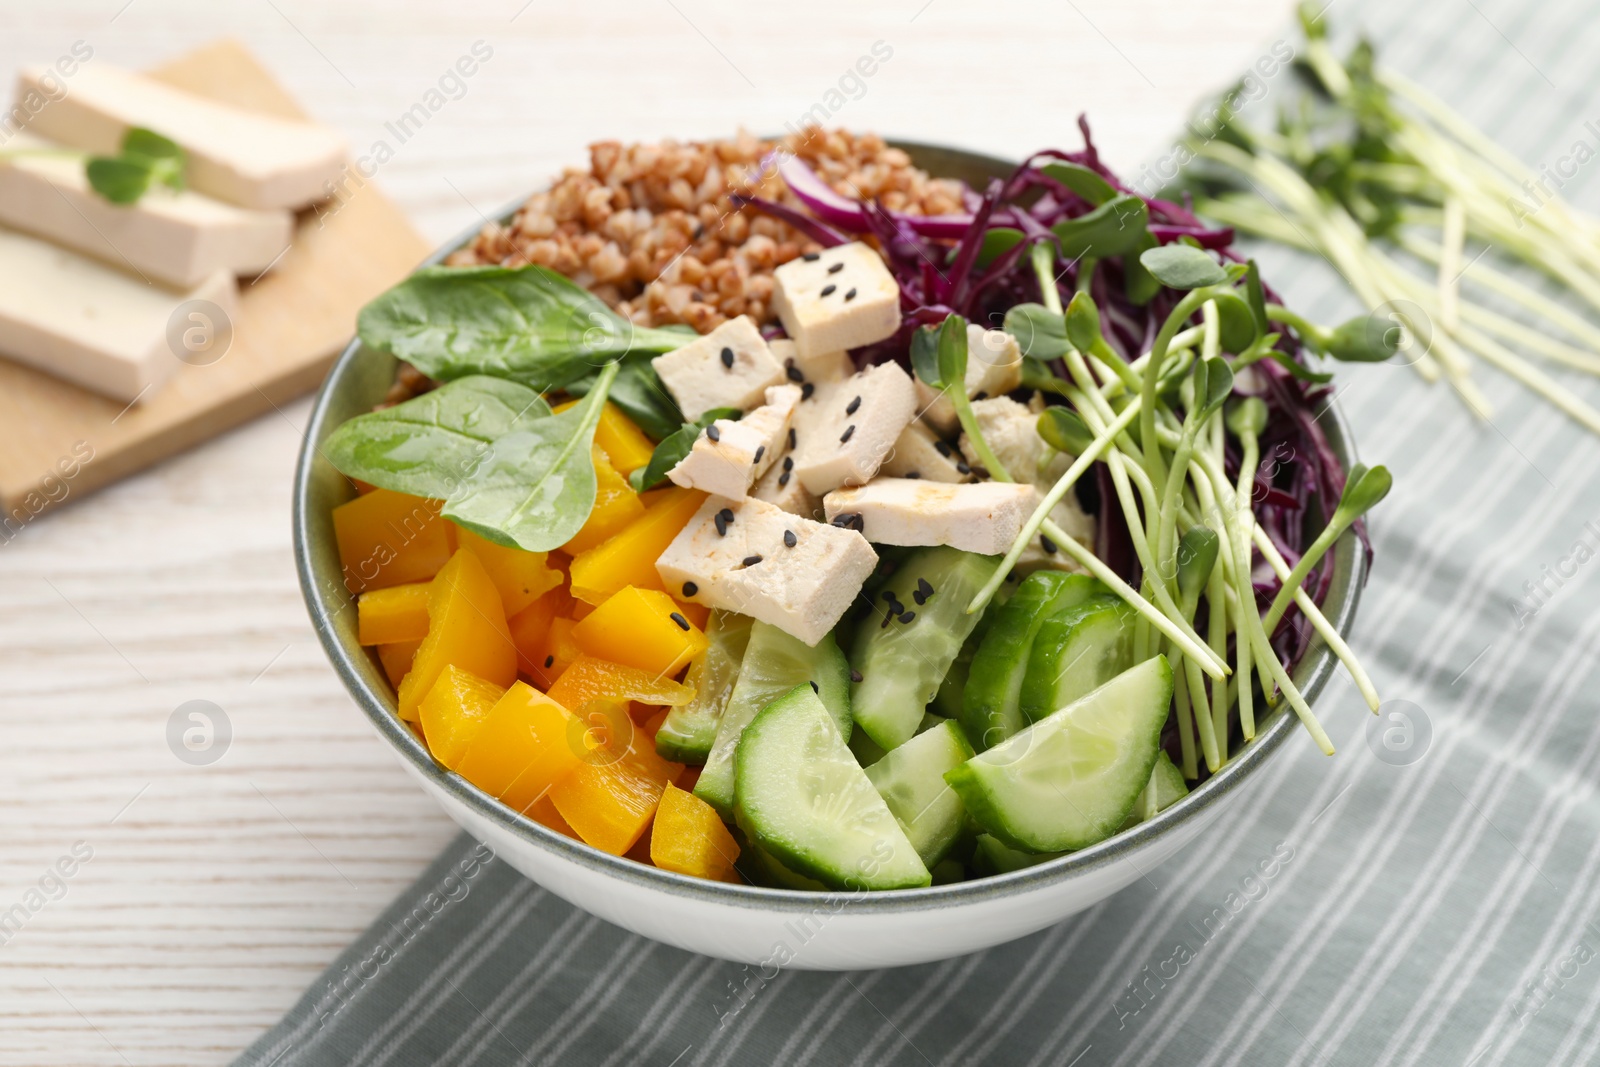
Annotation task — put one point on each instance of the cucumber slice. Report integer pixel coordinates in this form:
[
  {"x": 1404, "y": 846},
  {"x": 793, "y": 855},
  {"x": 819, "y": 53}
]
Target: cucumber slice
[
  {"x": 688, "y": 732},
  {"x": 911, "y": 781},
  {"x": 990, "y": 702},
  {"x": 990, "y": 856},
  {"x": 1076, "y": 652},
  {"x": 774, "y": 663},
  {"x": 947, "y": 701},
  {"x": 1070, "y": 779},
  {"x": 902, "y": 663},
  {"x": 1165, "y": 788},
  {"x": 803, "y": 798},
  {"x": 948, "y": 872},
  {"x": 762, "y": 868}
]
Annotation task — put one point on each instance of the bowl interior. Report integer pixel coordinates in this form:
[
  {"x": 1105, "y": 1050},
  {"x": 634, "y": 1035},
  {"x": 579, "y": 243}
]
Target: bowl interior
[{"x": 359, "y": 380}]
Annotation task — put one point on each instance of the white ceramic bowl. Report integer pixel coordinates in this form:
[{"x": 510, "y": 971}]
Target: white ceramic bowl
[{"x": 749, "y": 924}]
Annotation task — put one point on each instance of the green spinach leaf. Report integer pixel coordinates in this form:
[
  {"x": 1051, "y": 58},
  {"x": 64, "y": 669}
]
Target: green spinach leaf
[
  {"x": 528, "y": 324},
  {"x": 1115, "y": 228},
  {"x": 429, "y": 445},
  {"x": 673, "y": 447},
  {"x": 638, "y": 392},
  {"x": 536, "y": 486}
]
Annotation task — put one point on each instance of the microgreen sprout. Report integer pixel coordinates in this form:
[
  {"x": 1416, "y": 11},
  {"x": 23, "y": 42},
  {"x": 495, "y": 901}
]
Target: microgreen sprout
[
  {"x": 1363, "y": 489},
  {"x": 939, "y": 357}
]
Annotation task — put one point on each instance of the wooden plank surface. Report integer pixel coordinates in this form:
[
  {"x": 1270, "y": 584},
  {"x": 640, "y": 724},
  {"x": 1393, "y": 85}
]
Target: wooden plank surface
[{"x": 216, "y": 893}]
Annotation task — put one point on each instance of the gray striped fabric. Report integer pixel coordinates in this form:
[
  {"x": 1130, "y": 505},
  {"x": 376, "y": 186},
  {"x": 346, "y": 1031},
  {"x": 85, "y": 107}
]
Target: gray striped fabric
[{"x": 1346, "y": 911}]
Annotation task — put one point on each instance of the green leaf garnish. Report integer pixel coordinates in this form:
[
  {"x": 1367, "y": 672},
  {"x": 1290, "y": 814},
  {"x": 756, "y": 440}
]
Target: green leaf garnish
[
  {"x": 145, "y": 159},
  {"x": 674, "y": 447},
  {"x": 1081, "y": 180},
  {"x": 1197, "y": 555},
  {"x": 1064, "y": 431},
  {"x": 1039, "y": 332},
  {"x": 1181, "y": 266},
  {"x": 1115, "y": 228},
  {"x": 1248, "y": 417},
  {"x": 1365, "y": 339}
]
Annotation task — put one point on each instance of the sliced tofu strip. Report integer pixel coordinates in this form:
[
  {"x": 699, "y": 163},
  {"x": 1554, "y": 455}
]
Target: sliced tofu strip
[
  {"x": 179, "y": 239},
  {"x": 728, "y": 456},
  {"x": 78, "y": 319},
  {"x": 836, "y": 299},
  {"x": 819, "y": 370},
  {"x": 983, "y": 517},
  {"x": 919, "y": 453},
  {"x": 994, "y": 367},
  {"x": 846, "y": 430},
  {"x": 779, "y": 486},
  {"x": 243, "y": 157},
  {"x": 754, "y": 558},
  {"x": 730, "y": 367}
]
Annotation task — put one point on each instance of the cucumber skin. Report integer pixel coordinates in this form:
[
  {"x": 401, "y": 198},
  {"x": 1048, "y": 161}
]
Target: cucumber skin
[
  {"x": 791, "y": 857},
  {"x": 889, "y": 702},
  {"x": 991, "y": 856},
  {"x": 1166, "y": 788},
  {"x": 990, "y": 700},
  {"x": 715, "y": 785},
  {"x": 687, "y": 733},
  {"x": 1037, "y": 694},
  {"x": 975, "y": 795}
]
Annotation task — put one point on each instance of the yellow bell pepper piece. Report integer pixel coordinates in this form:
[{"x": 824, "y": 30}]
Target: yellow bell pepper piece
[
  {"x": 641, "y": 628},
  {"x": 587, "y": 679},
  {"x": 466, "y": 627},
  {"x": 625, "y": 445},
  {"x": 454, "y": 710},
  {"x": 395, "y": 614},
  {"x": 696, "y": 613},
  {"x": 689, "y": 837},
  {"x": 397, "y": 659},
  {"x": 544, "y": 811},
  {"x": 526, "y": 744},
  {"x": 629, "y": 558},
  {"x": 388, "y": 538},
  {"x": 611, "y": 796},
  {"x": 521, "y": 577},
  {"x": 552, "y": 655},
  {"x": 531, "y": 626},
  {"x": 615, "y": 506}
]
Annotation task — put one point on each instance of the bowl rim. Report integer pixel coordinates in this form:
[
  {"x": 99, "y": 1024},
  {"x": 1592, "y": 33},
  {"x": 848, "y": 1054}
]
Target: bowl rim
[{"x": 1312, "y": 676}]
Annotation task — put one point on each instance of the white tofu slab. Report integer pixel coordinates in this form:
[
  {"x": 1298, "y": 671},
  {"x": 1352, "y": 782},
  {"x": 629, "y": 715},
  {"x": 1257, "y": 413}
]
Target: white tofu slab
[
  {"x": 994, "y": 367},
  {"x": 747, "y": 565},
  {"x": 818, "y": 370},
  {"x": 177, "y": 238},
  {"x": 242, "y": 157},
  {"x": 981, "y": 517},
  {"x": 838, "y": 298},
  {"x": 919, "y": 453},
  {"x": 741, "y": 451},
  {"x": 845, "y": 431},
  {"x": 78, "y": 319},
  {"x": 780, "y": 486},
  {"x": 730, "y": 367}
]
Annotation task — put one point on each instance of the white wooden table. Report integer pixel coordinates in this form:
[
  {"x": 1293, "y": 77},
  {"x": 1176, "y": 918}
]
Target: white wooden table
[{"x": 214, "y": 894}]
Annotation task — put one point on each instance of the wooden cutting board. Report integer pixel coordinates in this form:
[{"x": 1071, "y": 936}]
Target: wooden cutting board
[{"x": 58, "y": 441}]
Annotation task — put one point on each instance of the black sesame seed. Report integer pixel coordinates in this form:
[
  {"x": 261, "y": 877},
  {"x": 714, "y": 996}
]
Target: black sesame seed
[
  {"x": 713, "y": 433},
  {"x": 727, "y": 357},
  {"x": 721, "y": 525},
  {"x": 913, "y": 474},
  {"x": 836, "y": 268},
  {"x": 962, "y": 468},
  {"x": 789, "y": 539},
  {"x": 783, "y": 479},
  {"x": 805, "y": 393},
  {"x": 827, "y": 290},
  {"x": 849, "y": 296},
  {"x": 815, "y": 690},
  {"x": 943, "y": 448},
  {"x": 1048, "y": 545},
  {"x": 794, "y": 374},
  {"x": 759, "y": 453},
  {"x": 908, "y": 616},
  {"x": 858, "y": 523},
  {"x": 852, "y": 407},
  {"x": 791, "y": 437},
  {"x": 924, "y": 587},
  {"x": 884, "y": 625},
  {"x": 677, "y": 617},
  {"x": 920, "y": 597},
  {"x": 727, "y": 515},
  {"x": 750, "y": 561},
  {"x": 811, "y": 257},
  {"x": 690, "y": 589},
  {"x": 855, "y": 675},
  {"x": 981, "y": 394},
  {"x": 788, "y": 461},
  {"x": 549, "y": 661},
  {"x": 849, "y": 432},
  {"x": 847, "y": 521},
  {"x": 888, "y": 594}
]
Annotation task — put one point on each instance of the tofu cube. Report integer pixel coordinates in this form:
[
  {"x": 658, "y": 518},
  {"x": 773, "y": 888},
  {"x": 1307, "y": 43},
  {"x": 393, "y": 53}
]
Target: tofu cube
[
  {"x": 728, "y": 456},
  {"x": 779, "y": 486},
  {"x": 819, "y": 370},
  {"x": 836, "y": 299},
  {"x": 982, "y": 517},
  {"x": 994, "y": 368},
  {"x": 736, "y": 555},
  {"x": 730, "y": 367},
  {"x": 845, "y": 431},
  {"x": 919, "y": 453}
]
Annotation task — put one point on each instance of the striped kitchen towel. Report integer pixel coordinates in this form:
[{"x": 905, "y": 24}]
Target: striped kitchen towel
[{"x": 1443, "y": 909}]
